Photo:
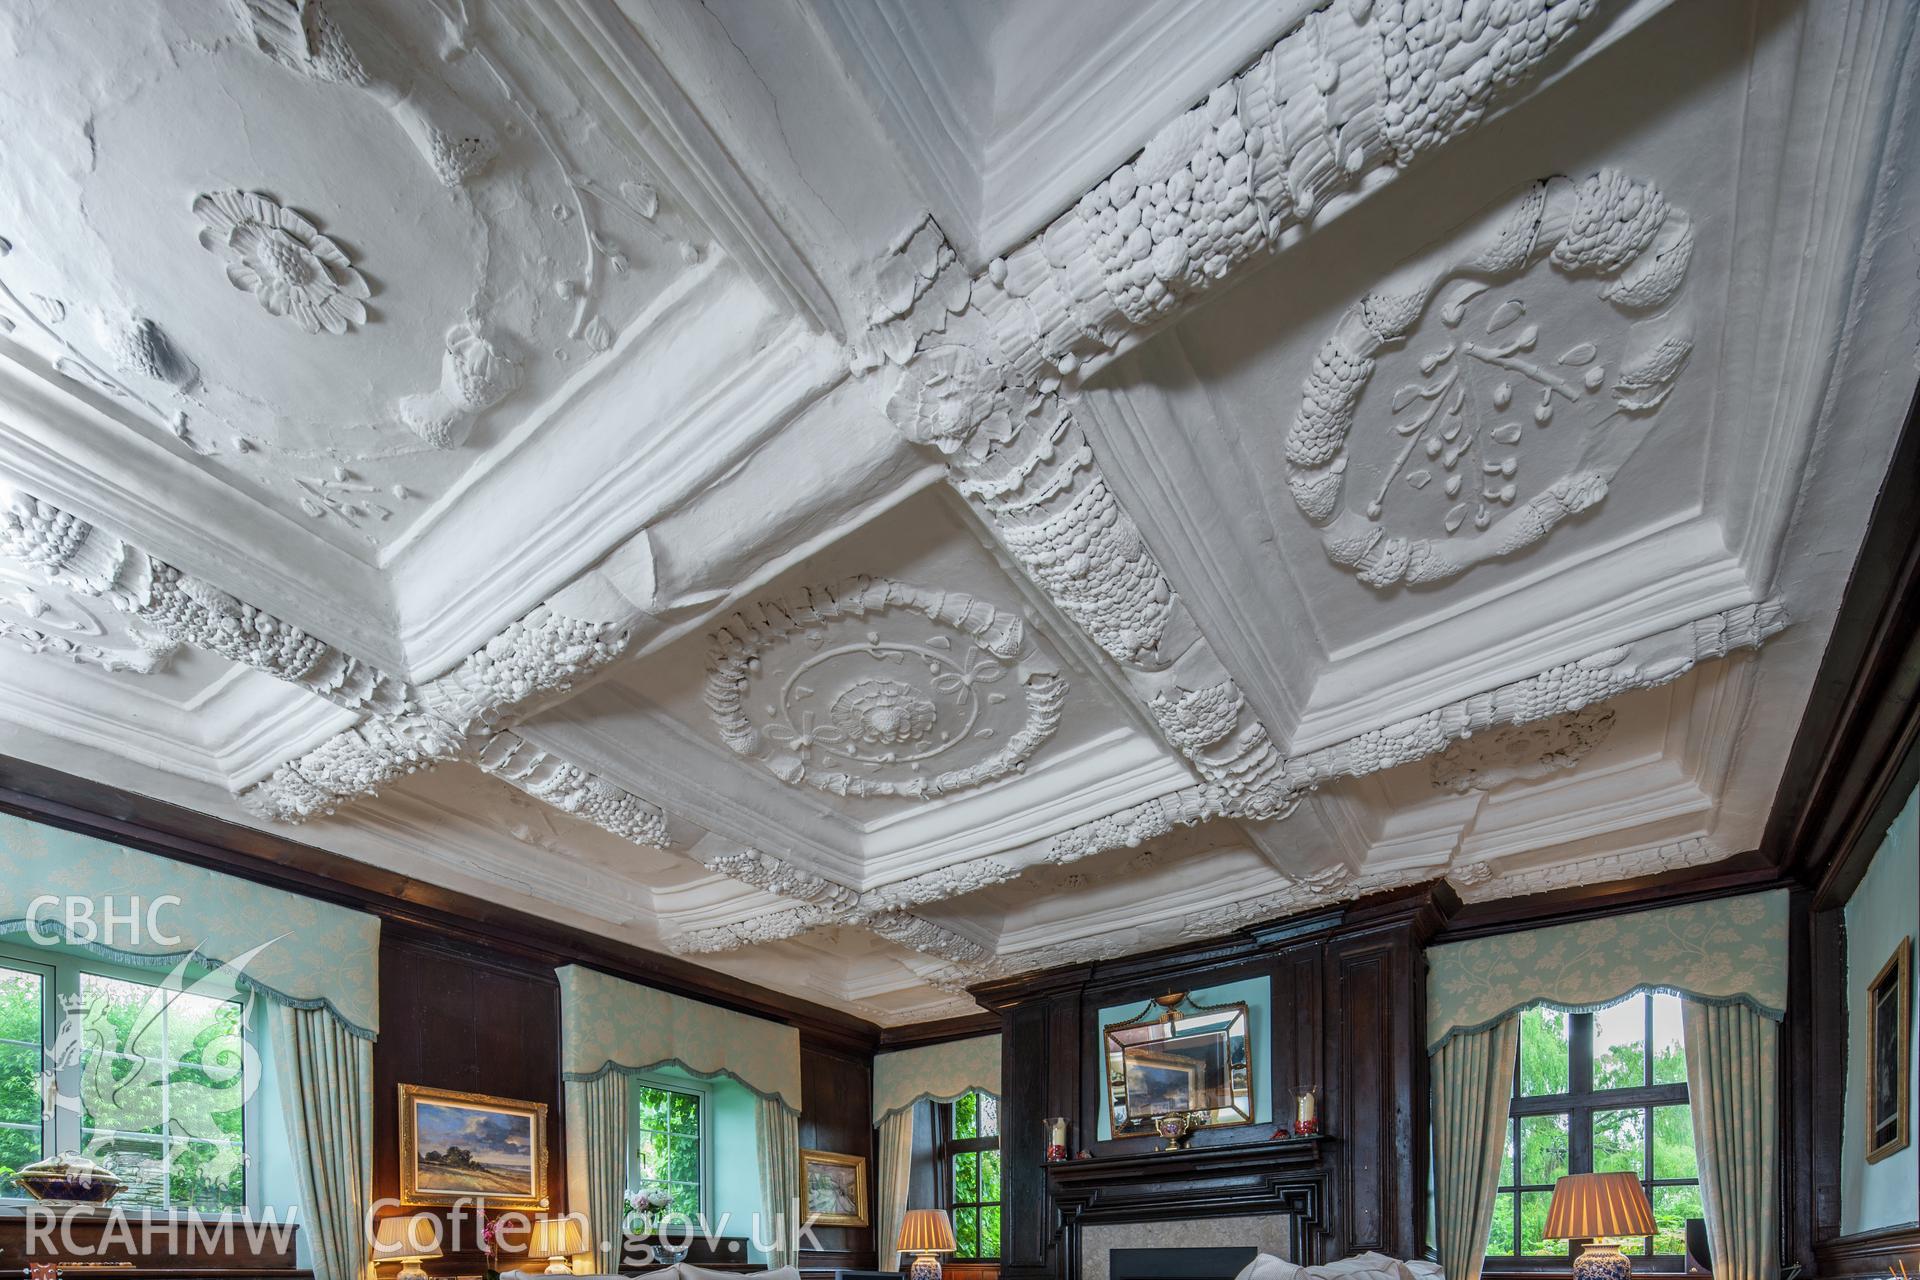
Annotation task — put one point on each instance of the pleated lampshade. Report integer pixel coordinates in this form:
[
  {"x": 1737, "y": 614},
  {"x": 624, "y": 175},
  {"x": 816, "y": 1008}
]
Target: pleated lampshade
[
  {"x": 1603, "y": 1205},
  {"x": 557, "y": 1238},
  {"x": 927, "y": 1231},
  {"x": 413, "y": 1235}
]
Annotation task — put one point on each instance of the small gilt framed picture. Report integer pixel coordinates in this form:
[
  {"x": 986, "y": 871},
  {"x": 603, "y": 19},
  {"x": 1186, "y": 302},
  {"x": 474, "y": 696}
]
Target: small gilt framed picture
[
  {"x": 835, "y": 1188},
  {"x": 1890, "y": 1054}
]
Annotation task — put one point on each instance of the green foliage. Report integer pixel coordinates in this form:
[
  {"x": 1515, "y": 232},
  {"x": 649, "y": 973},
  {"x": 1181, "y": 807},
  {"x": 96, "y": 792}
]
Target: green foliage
[
  {"x": 1624, "y": 1138},
  {"x": 966, "y": 1116},
  {"x": 668, "y": 1144},
  {"x": 1545, "y": 1048},
  {"x": 975, "y": 1177}
]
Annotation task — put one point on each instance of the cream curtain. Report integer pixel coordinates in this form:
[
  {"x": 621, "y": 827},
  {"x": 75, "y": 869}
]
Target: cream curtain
[
  {"x": 325, "y": 1077},
  {"x": 1472, "y": 1083},
  {"x": 894, "y": 1168},
  {"x": 597, "y": 1161},
  {"x": 1733, "y": 1065},
  {"x": 777, "y": 1127}
]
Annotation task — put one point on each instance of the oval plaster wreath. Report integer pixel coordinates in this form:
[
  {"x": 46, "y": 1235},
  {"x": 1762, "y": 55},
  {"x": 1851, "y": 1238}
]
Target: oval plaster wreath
[{"x": 1491, "y": 379}]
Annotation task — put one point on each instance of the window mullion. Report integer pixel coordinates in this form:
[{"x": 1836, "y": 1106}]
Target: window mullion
[{"x": 69, "y": 1077}]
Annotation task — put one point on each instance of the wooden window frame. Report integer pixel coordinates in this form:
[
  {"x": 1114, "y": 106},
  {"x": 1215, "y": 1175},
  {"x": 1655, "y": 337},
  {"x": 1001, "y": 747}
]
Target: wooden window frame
[
  {"x": 946, "y": 1147},
  {"x": 1579, "y": 1104}
]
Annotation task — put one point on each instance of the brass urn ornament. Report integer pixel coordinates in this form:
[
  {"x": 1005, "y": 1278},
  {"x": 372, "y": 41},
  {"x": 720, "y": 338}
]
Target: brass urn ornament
[{"x": 1176, "y": 1127}]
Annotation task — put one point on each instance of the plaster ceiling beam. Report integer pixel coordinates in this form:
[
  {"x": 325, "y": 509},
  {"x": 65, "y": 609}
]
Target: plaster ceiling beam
[
  {"x": 974, "y": 367},
  {"x": 573, "y": 790},
  {"x": 903, "y": 928},
  {"x": 189, "y": 610},
  {"x": 1558, "y": 691},
  {"x": 541, "y": 658}
]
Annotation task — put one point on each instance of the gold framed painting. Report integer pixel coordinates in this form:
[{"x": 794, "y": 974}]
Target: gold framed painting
[
  {"x": 1889, "y": 1054},
  {"x": 835, "y": 1187},
  {"x": 457, "y": 1147}
]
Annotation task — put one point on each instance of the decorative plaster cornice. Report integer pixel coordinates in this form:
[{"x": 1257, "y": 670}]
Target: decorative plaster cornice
[
  {"x": 975, "y": 367},
  {"x": 571, "y": 789},
  {"x": 1640, "y": 664},
  {"x": 88, "y": 560},
  {"x": 455, "y": 716},
  {"x": 1517, "y": 753},
  {"x": 1483, "y": 881}
]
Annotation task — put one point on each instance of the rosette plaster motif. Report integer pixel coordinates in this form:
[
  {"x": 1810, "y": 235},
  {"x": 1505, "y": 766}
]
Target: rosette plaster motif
[{"x": 871, "y": 688}]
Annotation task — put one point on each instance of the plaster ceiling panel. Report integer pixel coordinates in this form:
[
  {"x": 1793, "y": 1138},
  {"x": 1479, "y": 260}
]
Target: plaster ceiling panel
[
  {"x": 1533, "y": 434},
  {"x": 339, "y": 262},
  {"x": 896, "y": 700}
]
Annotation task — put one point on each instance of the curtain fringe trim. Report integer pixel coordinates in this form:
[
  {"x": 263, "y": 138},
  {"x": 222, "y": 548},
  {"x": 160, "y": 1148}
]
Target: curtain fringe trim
[
  {"x": 919, "y": 1098},
  {"x": 169, "y": 959},
  {"x": 1595, "y": 1006},
  {"x": 622, "y": 1068}
]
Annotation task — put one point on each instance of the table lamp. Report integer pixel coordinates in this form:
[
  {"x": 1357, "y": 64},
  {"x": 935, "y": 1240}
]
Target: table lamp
[
  {"x": 1596, "y": 1207},
  {"x": 926, "y": 1232},
  {"x": 557, "y": 1240},
  {"x": 410, "y": 1239}
]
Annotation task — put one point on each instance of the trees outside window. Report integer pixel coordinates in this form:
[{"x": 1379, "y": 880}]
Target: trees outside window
[
  {"x": 150, "y": 1081},
  {"x": 969, "y": 1143},
  {"x": 669, "y": 1134},
  {"x": 1598, "y": 1093}
]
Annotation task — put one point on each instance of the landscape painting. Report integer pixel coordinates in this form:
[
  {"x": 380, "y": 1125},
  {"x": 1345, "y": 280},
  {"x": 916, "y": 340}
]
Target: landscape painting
[
  {"x": 836, "y": 1188},
  {"x": 461, "y": 1146}
]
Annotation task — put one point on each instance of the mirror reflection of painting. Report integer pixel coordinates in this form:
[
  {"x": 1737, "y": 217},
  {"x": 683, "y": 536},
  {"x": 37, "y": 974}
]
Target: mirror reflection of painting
[
  {"x": 1179, "y": 1055},
  {"x": 473, "y": 1150},
  {"x": 1187, "y": 1074}
]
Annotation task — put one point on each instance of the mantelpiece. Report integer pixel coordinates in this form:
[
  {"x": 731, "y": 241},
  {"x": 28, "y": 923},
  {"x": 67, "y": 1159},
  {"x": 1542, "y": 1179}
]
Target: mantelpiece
[{"x": 1275, "y": 1176}]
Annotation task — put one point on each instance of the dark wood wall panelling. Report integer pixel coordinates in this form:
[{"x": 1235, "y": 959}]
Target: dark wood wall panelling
[
  {"x": 838, "y": 1117},
  {"x": 455, "y": 1016},
  {"x": 1348, "y": 988}
]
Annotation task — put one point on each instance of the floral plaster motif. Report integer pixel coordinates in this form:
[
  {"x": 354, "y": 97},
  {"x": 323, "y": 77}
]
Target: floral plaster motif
[
  {"x": 842, "y": 688},
  {"x": 1521, "y": 752},
  {"x": 1470, "y": 383},
  {"x": 282, "y": 259}
]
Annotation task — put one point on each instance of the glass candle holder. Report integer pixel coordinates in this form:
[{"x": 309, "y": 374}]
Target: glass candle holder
[
  {"x": 1306, "y": 1111},
  {"x": 1055, "y": 1128}
]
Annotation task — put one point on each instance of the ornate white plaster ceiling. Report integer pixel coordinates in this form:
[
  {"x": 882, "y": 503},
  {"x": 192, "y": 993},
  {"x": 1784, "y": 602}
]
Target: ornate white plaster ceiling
[{"x": 871, "y": 496}]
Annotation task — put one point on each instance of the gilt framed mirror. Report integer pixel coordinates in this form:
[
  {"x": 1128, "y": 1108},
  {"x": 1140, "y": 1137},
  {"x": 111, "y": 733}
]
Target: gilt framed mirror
[{"x": 1179, "y": 1054}]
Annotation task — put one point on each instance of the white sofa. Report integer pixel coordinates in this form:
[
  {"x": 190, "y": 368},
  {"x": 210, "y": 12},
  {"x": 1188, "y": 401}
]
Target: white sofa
[
  {"x": 1362, "y": 1266},
  {"x": 679, "y": 1271}
]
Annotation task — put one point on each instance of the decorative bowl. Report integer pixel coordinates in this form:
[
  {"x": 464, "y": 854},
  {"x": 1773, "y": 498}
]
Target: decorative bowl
[{"x": 70, "y": 1178}]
